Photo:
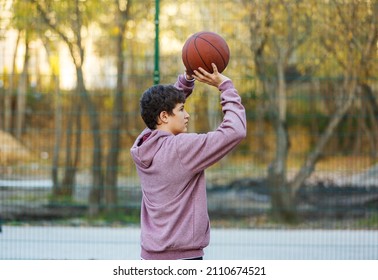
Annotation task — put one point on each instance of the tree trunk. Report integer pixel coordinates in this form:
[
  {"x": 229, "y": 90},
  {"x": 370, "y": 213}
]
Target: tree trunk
[
  {"x": 372, "y": 107},
  {"x": 9, "y": 94},
  {"x": 58, "y": 137},
  {"x": 111, "y": 173},
  {"x": 283, "y": 203},
  {"x": 21, "y": 93},
  {"x": 72, "y": 157},
  {"x": 97, "y": 176},
  {"x": 309, "y": 164},
  {"x": 115, "y": 132}
]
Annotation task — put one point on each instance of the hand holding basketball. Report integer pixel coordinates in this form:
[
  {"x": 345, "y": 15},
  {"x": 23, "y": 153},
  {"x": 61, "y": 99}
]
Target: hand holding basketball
[{"x": 214, "y": 79}]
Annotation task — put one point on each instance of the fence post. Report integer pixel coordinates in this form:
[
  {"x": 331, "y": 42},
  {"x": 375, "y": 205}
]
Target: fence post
[{"x": 156, "y": 69}]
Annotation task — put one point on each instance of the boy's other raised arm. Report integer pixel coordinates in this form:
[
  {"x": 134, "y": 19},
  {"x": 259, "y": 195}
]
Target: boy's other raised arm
[{"x": 185, "y": 83}]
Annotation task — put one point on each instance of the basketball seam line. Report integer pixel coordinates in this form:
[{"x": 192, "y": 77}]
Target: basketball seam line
[{"x": 224, "y": 62}]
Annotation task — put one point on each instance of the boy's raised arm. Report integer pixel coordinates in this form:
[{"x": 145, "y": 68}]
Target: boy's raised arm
[{"x": 186, "y": 83}]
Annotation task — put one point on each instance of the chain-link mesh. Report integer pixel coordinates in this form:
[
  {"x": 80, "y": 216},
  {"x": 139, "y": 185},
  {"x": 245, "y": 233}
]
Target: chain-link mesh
[{"x": 306, "y": 71}]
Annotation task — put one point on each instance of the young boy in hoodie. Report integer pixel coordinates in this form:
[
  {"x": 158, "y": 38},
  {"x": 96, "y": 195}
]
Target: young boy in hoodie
[{"x": 171, "y": 164}]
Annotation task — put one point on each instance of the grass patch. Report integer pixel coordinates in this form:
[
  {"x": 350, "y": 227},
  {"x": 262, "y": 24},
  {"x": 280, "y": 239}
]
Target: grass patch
[
  {"x": 130, "y": 216},
  {"x": 370, "y": 222}
]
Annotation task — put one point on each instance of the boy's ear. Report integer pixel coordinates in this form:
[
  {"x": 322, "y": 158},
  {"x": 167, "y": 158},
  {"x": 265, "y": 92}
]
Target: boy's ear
[{"x": 163, "y": 116}]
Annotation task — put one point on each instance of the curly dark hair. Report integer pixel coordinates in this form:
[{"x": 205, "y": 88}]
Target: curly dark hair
[{"x": 157, "y": 99}]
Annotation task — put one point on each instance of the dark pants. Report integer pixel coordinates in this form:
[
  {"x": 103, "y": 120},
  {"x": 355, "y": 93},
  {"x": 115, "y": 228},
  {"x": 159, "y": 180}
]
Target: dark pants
[{"x": 195, "y": 259}]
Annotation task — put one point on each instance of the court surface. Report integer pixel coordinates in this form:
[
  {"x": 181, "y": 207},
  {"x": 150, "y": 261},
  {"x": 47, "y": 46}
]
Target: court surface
[{"x": 78, "y": 243}]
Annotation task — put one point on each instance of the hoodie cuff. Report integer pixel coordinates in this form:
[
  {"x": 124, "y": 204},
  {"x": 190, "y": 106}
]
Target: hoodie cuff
[
  {"x": 225, "y": 85},
  {"x": 189, "y": 80},
  {"x": 185, "y": 81}
]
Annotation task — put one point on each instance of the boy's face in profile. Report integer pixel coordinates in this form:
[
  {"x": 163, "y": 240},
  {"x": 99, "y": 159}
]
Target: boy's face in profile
[{"x": 178, "y": 121}]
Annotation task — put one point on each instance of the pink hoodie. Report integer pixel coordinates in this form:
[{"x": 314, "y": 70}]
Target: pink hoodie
[{"x": 174, "y": 217}]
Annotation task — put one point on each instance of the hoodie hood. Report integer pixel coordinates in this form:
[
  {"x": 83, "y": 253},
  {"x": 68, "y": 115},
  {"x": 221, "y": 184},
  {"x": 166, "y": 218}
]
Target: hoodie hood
[{"x": 147, "y": 145}]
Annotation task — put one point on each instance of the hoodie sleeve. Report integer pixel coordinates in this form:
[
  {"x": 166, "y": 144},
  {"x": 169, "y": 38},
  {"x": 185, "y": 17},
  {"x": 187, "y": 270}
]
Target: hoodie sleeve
[
  {"x": 199, "y": 151},
  {"x": 186, "y": 85}
]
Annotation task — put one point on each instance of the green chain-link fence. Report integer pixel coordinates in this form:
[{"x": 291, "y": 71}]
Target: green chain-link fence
[{"x": 306, "y": 70}]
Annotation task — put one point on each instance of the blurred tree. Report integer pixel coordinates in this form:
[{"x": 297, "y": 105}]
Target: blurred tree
[
  {"x": 278, "y": 30},
  {"x": 22, "y": 89},
  {"x": 8, "y": 97},
  {"x": 122, "y": 13},
  {"x": 355, "y": 27},
  {"x": 24, "y": 22},
  {"x": 5, "y": 20},
  {"x": 349, "y": 33},
  {"x": 68, "y": 19}
]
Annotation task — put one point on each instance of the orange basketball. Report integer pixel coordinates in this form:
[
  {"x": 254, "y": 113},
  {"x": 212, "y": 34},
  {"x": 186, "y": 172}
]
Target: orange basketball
[{"x": 203, "y": 48}]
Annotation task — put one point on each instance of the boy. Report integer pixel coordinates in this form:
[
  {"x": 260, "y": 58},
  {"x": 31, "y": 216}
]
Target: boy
[{"x": 171, "y": 164}]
